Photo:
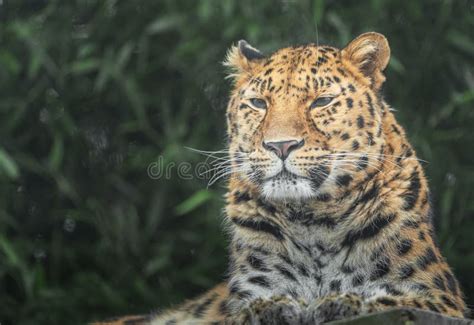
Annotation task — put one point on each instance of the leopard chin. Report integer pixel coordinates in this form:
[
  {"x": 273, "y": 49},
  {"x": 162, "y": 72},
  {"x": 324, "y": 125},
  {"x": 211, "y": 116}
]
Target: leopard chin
[{"x": 288, "y": 187}]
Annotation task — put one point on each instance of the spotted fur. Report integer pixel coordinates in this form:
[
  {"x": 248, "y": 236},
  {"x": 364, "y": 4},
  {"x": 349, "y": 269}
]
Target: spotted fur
[{"x": 328, "y": 207}]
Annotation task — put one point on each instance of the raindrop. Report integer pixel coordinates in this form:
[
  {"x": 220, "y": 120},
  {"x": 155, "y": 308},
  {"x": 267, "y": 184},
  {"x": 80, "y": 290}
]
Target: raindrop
[
  {"x": 51, "y": 93},
  {"x": 33, "y": 210},
  {"x": 69, "y": 225},
  {"x": 97, "y": 137},
  {"x": 451, "y": 179},
  {"x": 44, "y": 115},
  {"x": 39, "y": 254}
]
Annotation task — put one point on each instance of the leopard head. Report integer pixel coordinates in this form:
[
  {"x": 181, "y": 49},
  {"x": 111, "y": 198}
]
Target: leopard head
[{"x": 306, "y": 121}]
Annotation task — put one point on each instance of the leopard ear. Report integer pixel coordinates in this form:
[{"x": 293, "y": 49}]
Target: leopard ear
[
  {"x": 370, "y": 52},
  {"x": 242, "y": 58}
]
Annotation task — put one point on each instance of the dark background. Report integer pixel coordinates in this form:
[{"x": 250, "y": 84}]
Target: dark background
[{"x": 93, "y": 92}]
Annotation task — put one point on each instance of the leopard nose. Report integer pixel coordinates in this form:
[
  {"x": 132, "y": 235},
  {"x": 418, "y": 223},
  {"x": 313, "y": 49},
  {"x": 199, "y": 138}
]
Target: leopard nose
[{"x": 283, "y": 148}]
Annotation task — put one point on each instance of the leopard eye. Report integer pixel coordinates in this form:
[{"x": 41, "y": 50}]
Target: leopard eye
[
  {"x": 258, "y": 103},
  {"x": 321, "y": 101}
]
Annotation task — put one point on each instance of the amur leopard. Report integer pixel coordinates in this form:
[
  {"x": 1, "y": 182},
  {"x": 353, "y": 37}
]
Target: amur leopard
[{"x": 328, "y": 207}]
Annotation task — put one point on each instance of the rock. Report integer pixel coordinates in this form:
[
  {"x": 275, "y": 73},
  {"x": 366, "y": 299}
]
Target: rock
[{"x": 403, "y": 317}]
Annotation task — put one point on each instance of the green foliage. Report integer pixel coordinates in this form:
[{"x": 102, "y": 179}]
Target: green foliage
[{"x": 93, "y": 92}]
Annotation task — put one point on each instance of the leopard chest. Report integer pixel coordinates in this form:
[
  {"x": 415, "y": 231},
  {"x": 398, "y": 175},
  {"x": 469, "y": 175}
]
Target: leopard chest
[{"x": 323, "y": 268}]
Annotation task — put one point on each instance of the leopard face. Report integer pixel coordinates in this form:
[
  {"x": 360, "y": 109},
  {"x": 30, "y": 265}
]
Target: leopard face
[{"x": 306, "y": 121}]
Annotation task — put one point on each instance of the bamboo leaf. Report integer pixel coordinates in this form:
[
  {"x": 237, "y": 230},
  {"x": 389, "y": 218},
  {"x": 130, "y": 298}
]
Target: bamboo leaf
[
  {"x": 193, "y": 202},
  {"x": 7, "y": 165}
]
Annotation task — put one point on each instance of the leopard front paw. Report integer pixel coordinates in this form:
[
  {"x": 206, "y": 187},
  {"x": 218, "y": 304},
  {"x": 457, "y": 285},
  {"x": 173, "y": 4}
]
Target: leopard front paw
[
  {"x": 332, "y": 308},
  {"x": 276, "y": 310}
]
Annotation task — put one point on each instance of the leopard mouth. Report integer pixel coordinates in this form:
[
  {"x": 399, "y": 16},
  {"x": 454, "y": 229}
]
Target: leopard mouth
[
  {"x": 284, "y": 174},
  {"x": 285, "y": 186}
]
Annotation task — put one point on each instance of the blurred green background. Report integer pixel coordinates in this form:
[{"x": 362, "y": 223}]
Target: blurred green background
[{"x": 93, "y": 92}]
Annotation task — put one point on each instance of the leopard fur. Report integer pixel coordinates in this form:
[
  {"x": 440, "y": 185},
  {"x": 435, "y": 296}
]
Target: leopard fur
[{"x": 340, "y": 225}]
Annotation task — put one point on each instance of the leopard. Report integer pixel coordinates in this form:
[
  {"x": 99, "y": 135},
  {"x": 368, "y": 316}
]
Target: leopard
[{"x": 328, "y": 208}]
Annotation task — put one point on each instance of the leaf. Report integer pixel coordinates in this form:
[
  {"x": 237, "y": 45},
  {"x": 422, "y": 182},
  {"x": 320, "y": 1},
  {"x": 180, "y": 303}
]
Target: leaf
[
  {"x": 8, "y": 165},
  {"x": 9, "y": 252},
  {"x": 156, "y": 264},
  {"x": 136, "y": 99},
  {"x": 340, "y": 26},
  {"x": 193, "y": 202},
  {"x": 164, "y": 24},
  {"x": 56, "y": 153},
  {"x": 10, "y": 62},
  {"x": 318, "y": 11},
  {"x": 106, "y": 70},
  {"x": 396, "y": 65},
  {"x": 461, "y": 41},
  {"x": 84, "y": 66},
  {"x": 124, "y": 55}
]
